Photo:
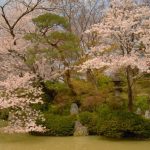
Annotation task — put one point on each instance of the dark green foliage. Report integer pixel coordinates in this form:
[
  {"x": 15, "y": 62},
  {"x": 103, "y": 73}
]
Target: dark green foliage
[
  {"x": 59, "y": 125},
  {"x": 122, "y": 124},
  {"x": 49, "y": 20},
  {"x": 57, "y": 86},
  {"x": 52, "y": 42},
  {"x": 90, "y": 121},
  {"x": 59, "y": 109},
  {"x": 4, "y": 114},
  {"x": 68, "y": 46},
  {"x": 71, "y": 43}
]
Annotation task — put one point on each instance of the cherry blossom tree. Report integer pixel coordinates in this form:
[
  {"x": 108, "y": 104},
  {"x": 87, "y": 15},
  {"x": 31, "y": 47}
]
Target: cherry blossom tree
[
  {"x": 17, "y": 92},
  {"x": 123, "y": 42},
  {"x": 19, "y": 95}
]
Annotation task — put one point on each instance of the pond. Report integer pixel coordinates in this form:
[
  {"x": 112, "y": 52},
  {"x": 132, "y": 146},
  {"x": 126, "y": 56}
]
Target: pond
[{"x": 27, "y": 142}]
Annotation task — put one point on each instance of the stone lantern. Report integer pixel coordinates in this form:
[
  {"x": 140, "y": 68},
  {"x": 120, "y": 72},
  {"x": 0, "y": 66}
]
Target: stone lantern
[{"x": 117, "y": 85}]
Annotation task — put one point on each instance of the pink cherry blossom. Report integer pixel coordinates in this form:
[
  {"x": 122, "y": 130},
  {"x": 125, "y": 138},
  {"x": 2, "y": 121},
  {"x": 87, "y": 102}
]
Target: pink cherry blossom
[{"x": 124, "y": 38}]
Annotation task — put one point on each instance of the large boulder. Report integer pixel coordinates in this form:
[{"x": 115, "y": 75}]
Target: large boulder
[
  {"x": 80, "y": 130},
  {"x": 74, "y": 110}
]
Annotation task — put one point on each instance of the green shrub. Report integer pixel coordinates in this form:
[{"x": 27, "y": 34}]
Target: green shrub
[
  {"x": 90, "y": 121},
  {"x": 122, "y": 124},
  {"x": 57, "y": 125},
  {"x": 142, "y": 102},
  {"x": 59, "y": 109}
]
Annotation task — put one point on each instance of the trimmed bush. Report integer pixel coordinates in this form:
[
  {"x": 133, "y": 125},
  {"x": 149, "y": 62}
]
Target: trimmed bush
[
  {"x": 122, "y": 124},
  {"x": 57, "y": 125},
  {"x": 90, "y": 121}
]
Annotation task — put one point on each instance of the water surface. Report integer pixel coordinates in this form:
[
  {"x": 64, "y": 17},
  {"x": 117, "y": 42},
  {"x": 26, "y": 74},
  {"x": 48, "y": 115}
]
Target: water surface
[{"x": 27, "y": 142}]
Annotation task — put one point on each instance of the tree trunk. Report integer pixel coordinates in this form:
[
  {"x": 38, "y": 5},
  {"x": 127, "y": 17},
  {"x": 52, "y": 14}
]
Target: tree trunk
[
  {"x": 67, "y": 78},
  {"x": 130, "y": 89}
]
